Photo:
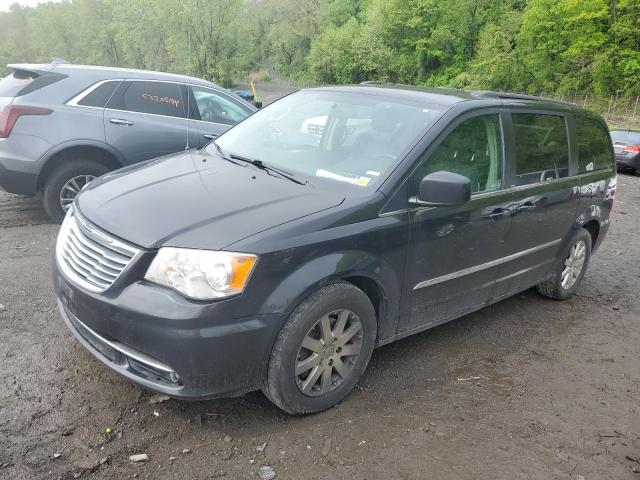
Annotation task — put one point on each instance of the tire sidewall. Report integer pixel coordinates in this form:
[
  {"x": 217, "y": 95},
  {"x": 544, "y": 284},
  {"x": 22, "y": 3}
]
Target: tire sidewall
[
  {"x": 564, "y": 293},
  {"x": 281, "y": 381},
  {"x": 61, "y": 175}
]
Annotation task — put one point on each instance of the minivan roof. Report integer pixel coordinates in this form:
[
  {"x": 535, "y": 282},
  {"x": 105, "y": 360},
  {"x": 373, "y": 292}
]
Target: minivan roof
[
  {"x": 449, "y": 96},
  {"x": 107, "y": 72}
]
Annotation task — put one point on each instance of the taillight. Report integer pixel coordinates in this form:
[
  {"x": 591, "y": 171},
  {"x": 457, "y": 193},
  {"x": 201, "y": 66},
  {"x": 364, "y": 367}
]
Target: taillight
[
  {"x": 11, "y": 113},
  {"x": 632, "y": 148}
]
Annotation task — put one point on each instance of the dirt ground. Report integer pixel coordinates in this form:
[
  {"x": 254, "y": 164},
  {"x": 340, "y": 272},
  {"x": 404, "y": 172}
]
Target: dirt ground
[{"x": 526, "y": 389}]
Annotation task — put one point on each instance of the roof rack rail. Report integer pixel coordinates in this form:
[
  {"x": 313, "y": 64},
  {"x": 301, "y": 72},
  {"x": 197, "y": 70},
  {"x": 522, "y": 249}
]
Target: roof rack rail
[{"x": 521, "y": 96}]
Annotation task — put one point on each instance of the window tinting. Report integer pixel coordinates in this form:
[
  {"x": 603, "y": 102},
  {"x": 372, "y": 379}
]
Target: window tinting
[
  {"x": 542, "y": 148},
  {"x": 594, "y": 146},
  {"x": 472, "y": 149},
  {"x": 217, "y": 108},
  {"x": 158, "y": 98},
  {"x": 99, "y": 96}
]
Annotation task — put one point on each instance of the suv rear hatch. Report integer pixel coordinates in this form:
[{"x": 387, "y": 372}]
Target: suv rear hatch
[{"x": 23, "y": 79}]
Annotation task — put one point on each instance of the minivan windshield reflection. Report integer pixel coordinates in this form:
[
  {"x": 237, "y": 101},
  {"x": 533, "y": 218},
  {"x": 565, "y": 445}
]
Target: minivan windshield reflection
[{"x": 344, "y": 137}]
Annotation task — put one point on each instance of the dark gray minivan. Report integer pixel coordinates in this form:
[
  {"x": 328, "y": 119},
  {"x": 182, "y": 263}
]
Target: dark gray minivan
[
  {"x": 333, "y": 221},
  {"x": 62, "y": 125}
]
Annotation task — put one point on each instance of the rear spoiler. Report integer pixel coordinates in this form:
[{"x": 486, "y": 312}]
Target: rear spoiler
[{"x": 42, "y": 75}]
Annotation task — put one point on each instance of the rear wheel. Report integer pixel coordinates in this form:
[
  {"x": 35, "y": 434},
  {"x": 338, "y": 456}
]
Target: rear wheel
[
  {"x": 322, "y": 350},
  {"x": 569, "y": 274},
  {"x": 65, "y": 182}
]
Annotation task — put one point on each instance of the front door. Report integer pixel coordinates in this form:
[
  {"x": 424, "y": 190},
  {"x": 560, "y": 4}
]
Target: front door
[
  {"x": 455, "y": 252},
  {"x": 546, "y": 199},
  {"x": 146, "y": 119}
]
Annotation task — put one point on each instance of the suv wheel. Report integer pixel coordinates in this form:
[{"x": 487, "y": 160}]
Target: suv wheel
[
  {"x": 322, "y": 350},
  {"x": 570, "y": 272},
  {"x": 65, "y": 182}
]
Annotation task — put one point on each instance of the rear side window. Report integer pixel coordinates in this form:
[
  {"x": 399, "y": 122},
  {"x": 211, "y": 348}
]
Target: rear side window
[
  {"x": 11, "y": 85},
  {"x": 157, "y": 98},
  {"x": 99, "y": 96},
  {"x": 594, "y": 145},
  {"x": 542, "y": 147}
]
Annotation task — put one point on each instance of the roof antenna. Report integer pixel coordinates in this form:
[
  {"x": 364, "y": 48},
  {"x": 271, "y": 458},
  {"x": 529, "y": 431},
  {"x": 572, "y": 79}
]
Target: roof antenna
[{"x": 59, "y": 61}]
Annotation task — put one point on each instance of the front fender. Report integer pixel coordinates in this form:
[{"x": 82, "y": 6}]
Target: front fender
[{"x": 350, "y": 265}]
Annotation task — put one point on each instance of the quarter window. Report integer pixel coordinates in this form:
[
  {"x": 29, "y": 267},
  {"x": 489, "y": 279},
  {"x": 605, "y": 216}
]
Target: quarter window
[
  {"x": 594, "y": 145},
  {"x": 542, "y": 148},
  {"x": 100, "y": 95},
  {"x": 473, "y": 149},
  {"x": 217, "y": 108},
  {"x": 158, "y": 98}
]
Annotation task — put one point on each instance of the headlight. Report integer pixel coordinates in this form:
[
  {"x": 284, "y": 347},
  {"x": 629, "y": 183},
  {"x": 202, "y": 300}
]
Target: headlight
[{"x": 201, "y": 274}]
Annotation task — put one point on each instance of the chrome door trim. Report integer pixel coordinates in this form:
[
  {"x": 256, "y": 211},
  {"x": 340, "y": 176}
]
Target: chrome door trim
[{"x": 484, "y": 266}]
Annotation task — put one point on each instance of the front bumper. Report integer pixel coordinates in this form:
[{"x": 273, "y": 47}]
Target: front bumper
[{"x": 167, "y": 343}]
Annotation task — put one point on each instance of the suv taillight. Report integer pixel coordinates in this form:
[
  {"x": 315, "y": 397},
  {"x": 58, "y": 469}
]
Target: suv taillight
[
  {"x": 632, "y": 148},
  {"x": 11, "y": 113}
]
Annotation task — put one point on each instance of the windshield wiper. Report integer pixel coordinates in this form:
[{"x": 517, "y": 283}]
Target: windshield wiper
[
  {"x": 224, "y": 156},
  {"x": 267, "y": 168}
]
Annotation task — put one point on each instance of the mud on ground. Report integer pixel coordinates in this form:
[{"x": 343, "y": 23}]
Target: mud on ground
[{"x": 526, "y": 389}]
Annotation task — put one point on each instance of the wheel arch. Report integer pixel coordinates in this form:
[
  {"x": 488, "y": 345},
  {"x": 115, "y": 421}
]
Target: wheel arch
[
  {"x": 375, "y": 277},
  {"x": 95, "y": 151}
]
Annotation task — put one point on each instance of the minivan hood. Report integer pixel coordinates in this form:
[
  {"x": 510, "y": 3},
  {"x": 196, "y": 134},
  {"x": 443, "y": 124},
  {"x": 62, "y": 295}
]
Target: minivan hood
[{"x": 196, "y": 200}]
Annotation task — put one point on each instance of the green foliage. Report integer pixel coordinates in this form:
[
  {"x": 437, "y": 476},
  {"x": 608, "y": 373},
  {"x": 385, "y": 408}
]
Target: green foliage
[{"x": 537, "y": 46}]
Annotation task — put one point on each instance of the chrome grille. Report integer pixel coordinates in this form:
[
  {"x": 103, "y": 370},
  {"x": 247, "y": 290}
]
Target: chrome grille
[{"x": 88, "y": 256}]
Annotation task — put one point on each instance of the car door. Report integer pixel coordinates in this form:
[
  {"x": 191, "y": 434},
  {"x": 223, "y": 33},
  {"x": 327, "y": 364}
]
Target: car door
[
  {"x": 454, "y": 252},
  {"x": 213, "y": 112},
  {"x": 146, "y": 119},
  {"x": 546, "y": 197}
]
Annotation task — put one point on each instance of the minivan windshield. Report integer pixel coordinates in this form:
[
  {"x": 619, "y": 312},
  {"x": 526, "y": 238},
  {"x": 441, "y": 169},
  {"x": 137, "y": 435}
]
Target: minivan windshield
[{"x": 345, "y": 137}]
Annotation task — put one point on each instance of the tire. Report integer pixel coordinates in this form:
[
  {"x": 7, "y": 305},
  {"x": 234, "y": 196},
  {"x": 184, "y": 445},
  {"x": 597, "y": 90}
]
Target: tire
[
  {"x": 334, "y": 302},
  {"x": 553, "y": 287},
  {"x": 59, "y": 177}
]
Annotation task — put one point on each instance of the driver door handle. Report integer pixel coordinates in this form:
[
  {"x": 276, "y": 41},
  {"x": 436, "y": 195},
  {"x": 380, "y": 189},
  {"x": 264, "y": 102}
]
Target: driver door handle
[
  {"x": 121, "y": 121},
  {"x": 210, "y": 136}
]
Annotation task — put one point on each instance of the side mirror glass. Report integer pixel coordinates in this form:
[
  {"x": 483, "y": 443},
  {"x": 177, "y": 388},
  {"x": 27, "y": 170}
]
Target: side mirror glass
[{"x": 441, "y": 189}]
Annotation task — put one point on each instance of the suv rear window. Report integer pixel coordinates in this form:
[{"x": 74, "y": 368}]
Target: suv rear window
[
  {"x": 594, "y": 145},
  {"x": 157, "y": 98},
  {"x": 542, "y": 147},
  {"x": 11, "y": 85}
]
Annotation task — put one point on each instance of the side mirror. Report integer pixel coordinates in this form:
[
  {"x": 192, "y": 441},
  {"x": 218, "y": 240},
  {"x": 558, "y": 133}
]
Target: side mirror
[
  {"x": 257, "y": 104},
  {"x": 442, "y": 189}
]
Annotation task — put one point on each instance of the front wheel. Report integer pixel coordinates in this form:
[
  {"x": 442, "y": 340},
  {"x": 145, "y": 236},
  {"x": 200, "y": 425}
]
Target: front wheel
[
  {"x": 322, "y": 350},
  {"x": 65, "y": 182},
  {"x": 569, "y": 274}
]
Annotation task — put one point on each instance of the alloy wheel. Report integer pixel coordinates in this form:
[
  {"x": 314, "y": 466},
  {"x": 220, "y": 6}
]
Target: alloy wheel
[
  {"x": 328, "y": 353},
  {"x": 72, "y": 188},
  {"x": 573, "y": 264}
]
